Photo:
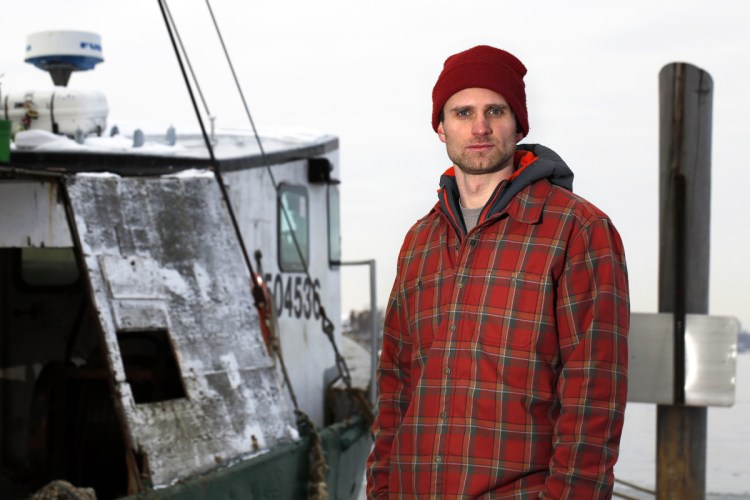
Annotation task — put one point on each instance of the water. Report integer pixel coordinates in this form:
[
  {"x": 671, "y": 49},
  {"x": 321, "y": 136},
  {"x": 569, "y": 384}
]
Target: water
[{"x": 728, "y": 448}]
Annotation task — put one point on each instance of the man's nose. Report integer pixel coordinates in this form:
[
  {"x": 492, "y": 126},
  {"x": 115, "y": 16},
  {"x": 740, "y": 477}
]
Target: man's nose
[{"x": 481, "y": 126}]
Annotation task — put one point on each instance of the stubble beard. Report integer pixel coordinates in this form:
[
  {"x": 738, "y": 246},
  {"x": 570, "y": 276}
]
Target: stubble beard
[{"x": 480, "y": 164}]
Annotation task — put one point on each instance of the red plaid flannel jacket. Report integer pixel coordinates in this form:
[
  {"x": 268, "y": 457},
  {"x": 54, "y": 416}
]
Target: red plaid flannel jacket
[{"x": 503, "y": 372}]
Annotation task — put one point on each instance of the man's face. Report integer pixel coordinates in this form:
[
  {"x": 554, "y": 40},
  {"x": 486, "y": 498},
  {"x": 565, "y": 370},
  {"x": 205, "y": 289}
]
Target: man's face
[{"x": 479, "y": 131}]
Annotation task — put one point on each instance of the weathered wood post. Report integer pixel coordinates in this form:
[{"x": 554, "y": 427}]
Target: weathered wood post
[{"x": 685, "y": 97}]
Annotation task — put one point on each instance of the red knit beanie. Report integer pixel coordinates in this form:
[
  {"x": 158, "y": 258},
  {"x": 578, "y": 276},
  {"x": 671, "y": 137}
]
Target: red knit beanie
[{"x": 483, "y": 67}]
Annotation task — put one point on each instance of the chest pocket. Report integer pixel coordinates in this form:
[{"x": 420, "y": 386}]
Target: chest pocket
[
  {"x": 516, "y": 308},
  {"x": 424, "y": 298}
]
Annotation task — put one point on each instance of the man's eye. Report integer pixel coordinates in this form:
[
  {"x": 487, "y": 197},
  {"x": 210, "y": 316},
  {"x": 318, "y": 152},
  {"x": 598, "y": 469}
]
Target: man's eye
[
  {"x": 495, "y": 111},
  {"x": 463, "y": 112}
]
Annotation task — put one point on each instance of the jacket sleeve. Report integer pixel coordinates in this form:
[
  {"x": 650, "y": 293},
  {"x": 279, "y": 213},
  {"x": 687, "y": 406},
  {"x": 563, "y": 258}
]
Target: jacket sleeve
[
  {"x": 394, "y": 392},
  {"x": 593, "y": 316}
]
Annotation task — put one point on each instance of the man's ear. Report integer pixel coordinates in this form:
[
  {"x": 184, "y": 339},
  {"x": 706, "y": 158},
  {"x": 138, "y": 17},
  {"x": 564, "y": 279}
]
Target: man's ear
[
  {"x": 441, "y": 132},
  {"x": 519, "y": 136}
]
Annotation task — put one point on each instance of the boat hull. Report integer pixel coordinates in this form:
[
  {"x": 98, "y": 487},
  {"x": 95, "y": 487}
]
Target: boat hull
[{"x": 284, "y": 471}]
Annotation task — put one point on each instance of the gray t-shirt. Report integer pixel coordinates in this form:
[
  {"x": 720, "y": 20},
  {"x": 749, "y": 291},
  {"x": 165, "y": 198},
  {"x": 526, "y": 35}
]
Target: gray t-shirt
[{"x": 471, "y": 216}]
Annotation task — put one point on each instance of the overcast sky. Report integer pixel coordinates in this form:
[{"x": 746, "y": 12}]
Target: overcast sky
[{"x": 364, "y": 71}]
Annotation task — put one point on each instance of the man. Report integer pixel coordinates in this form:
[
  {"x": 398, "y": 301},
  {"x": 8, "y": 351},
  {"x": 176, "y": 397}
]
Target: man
[{"x": 503, "y": 372}]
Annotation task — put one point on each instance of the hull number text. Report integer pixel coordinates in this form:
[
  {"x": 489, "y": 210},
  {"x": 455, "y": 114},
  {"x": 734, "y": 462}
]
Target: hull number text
[{"x": 293, "y": 295}]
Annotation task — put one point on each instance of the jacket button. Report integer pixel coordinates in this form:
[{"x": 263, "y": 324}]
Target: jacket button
[
  {"x": 443, "y": 414},
  {"x": 452, "y": 327},
  {"x": 473, "y": 242},
  {"x": 460, "y": 284},
  {"x": 438, "y": 459},
  {"x": 419, "y": 284},
  {"x": 447, "y": 371}
]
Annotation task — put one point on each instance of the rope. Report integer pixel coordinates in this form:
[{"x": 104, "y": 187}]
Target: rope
[
  {"x": 621, "y": 495},
  {"x": 635, "y": 486},
  {"x": 362, "y": 403},
  {"x": 317, "y": 486},
  {"x": 63, "y": 490},
  {"x": 359, "y": 400}
]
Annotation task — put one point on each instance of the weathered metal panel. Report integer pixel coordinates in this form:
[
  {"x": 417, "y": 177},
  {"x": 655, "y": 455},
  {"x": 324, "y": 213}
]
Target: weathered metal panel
[
  {"x": 650, "y": 353},
  {"x": 31, "y": 215},
  {"x": 161, "y": 254},
  {"x": 710, "y": 359}
]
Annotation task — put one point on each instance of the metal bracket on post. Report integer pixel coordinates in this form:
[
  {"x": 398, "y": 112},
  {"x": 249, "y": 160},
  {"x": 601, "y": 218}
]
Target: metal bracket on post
[
  {"x": 374, "y": 344},
  {"x": 710, "y": 359}
]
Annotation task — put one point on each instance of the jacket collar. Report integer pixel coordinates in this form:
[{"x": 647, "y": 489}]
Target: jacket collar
[
  {"x": 521, "y": 197},
  {"x": 527, "y": 205}
]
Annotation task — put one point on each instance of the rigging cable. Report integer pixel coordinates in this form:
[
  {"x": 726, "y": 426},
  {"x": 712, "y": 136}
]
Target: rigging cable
[
  {"x": 327, "y": 326},
  {"x": 257, "y": 293},
  {"x": 168, "y": 23},
  {"x": 187, "y": 60},
  {"x": 317, "y": 469},
  {"x": 318, "y": 486},
  {"x": 341, "y": 365}
]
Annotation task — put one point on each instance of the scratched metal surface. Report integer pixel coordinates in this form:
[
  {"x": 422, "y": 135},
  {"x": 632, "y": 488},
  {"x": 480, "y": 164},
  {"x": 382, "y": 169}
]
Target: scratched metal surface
[{"x": 161, "y": 254}]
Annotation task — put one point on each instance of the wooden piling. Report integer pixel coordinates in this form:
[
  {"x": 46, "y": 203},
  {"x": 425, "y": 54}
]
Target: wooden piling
[{"x": 685, "y": 105}]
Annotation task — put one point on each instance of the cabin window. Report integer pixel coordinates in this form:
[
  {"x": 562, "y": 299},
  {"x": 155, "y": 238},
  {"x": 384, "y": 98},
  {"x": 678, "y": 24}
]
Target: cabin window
[
  {"x": 334, "y": 224},
  {"x": 48, "y": 267},
  {"x": 294, "y": 244}
]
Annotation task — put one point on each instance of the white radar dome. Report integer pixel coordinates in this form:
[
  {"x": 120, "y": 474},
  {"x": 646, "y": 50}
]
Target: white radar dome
[{"x": 62, "y": 52}]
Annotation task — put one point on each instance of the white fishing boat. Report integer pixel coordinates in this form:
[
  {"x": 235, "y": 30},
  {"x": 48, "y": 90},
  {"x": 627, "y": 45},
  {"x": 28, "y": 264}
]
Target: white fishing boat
[{"x": 170, "y": 304}]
